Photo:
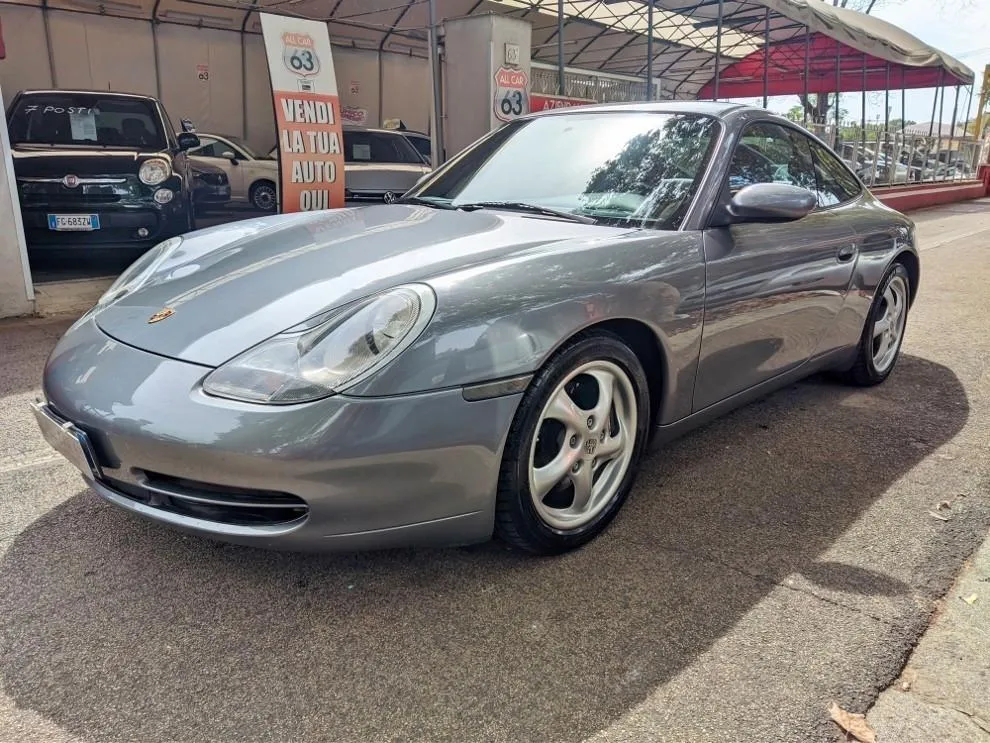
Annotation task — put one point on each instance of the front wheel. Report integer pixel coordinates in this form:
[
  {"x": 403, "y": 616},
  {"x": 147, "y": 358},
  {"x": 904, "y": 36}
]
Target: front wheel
[
  {"x": 263, "y": 196},
  {"x": 880, "y": 344},
  {"x": 574, "y": 446}
]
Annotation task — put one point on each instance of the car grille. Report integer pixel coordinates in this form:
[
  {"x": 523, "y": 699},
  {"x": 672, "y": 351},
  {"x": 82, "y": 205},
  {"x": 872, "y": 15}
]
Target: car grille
[
  {"x": 214, "y": 179},
  {"x": 200, "y": 500}
]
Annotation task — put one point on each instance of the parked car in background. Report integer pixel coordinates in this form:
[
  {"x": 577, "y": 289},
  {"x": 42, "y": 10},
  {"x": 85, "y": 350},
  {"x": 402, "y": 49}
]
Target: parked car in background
[
  {"x": 252, "y": 178},
  {"x": 380, "y": 164},
  {"x": 99, "y": 170},
  {"x": 211, "y": 187},
  {"x": 493, "y": 353}
]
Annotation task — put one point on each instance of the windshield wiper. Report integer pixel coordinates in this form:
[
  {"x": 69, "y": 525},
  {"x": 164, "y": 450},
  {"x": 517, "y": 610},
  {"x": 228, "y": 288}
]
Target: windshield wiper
[
  {"x": 421, "y": 201},
  {"x": 522, "y": 206}
]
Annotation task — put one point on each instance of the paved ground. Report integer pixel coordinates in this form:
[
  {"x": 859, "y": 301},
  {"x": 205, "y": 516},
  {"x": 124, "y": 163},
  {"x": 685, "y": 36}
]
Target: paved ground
[
  {"x": 942, "y": 693},
  {"x": 777, "y": 560}
]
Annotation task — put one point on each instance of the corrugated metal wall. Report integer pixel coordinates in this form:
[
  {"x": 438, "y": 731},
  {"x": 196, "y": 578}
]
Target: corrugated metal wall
[{"x": 102, "y": 52}]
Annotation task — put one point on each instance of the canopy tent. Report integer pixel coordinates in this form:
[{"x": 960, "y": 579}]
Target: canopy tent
[{"x": 678, "y": 41}]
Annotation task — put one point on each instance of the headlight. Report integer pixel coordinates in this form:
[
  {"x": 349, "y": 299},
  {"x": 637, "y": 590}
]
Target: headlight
[
  {"x": 138, "y": 272},
  {"x": 326, "y": 355},
  {"x": 154, "y": 171}
]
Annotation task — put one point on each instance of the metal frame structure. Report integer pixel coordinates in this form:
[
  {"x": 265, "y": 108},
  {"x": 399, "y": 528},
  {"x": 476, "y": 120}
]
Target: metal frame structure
[{"x": 636, "y": 49}]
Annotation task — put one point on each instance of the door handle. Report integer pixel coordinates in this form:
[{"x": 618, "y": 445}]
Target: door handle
[{"x": 846, "y": 253}]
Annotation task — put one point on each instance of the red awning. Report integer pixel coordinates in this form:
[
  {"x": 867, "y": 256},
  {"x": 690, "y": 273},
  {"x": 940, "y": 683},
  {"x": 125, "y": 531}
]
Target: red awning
[{"x": 825, "y": 57}]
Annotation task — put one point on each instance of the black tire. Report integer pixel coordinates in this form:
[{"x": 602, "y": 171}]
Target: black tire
[
  {"x": 863, "y": 372},
  {"x": 263, "y": 196},
  {"x": 517, "y": 521}
]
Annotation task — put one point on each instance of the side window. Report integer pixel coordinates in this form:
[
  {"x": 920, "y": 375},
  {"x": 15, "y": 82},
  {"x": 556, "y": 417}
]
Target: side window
[
  {"x": 392, "y": 148},
  {"x": 835, "y": 183},
  {"x": 208, "y": 149},
  {"x": 357, "y": 148},
  {"x": 768, "y": 153}
]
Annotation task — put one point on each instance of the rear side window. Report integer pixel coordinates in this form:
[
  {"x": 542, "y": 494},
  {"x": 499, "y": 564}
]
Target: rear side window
[
  {"x": 377, "y": 147},
  {"x": 768, "y": 153},
  {"x": 836, "y": 184}
]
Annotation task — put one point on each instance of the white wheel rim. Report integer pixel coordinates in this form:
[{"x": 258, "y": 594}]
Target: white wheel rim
[
  {"x": 888, "y": 328},
  {"x": 583, "y": 445}
]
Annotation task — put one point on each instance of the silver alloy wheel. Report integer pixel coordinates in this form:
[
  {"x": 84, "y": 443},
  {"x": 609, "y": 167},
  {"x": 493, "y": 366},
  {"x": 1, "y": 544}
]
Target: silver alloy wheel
[
  {"x": 888, "y": 329},
  {"x": 583, "y": 445},
  {"x": 264, "y": 197}
]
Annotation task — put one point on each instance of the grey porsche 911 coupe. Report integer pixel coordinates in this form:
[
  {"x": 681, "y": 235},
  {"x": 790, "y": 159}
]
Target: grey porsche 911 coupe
[{"x": 492, "y": 354}]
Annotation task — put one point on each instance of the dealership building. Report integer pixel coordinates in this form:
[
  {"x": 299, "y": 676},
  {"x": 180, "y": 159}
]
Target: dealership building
[{"x": 453, "y": 70}]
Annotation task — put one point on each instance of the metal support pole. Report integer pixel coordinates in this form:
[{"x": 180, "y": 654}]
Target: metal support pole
[
  {"x": 941, "y": 104},
  {"x": 560, "y": 45},
  {"x": 436, "y": 132},
  {"x": 649, "y": 49},
  {"x": 766, "y": 57},
  {"x": 838, "y": 85},
  {"x": 903, "y": 98},
  {"x": 886, "y": 98},
  {"x": 862, "y": 125},
  {"x": 48, "y": 42},
  {"x": 952, "y": 132},
  {"x": 718, "y": 51},
  {"x": 807, "y": 67},
  {"x": 931, "y": 123},
  {"x": 969, "y": 105}
]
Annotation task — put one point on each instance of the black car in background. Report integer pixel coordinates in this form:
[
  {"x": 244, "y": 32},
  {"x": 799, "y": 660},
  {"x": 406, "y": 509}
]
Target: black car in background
[
  {"x": 99, "y": 170},
  {"x": 211, "y": 187}
]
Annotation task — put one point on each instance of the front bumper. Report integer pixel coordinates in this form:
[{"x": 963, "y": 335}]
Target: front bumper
[
  {"x": 371, "y": 472},
  {"x": 119, "y": 224}
]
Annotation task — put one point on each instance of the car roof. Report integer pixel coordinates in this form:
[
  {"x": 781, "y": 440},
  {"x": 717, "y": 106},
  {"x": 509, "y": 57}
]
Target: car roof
[
  {"x": 82, "y": 91},
  {"x": 718, "y": 109}
]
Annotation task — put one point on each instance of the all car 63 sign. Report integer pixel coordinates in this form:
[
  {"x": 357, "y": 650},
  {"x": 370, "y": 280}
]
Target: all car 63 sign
[
  {"x": 307, "y": 112},
  {"x": 511, "y": 94}
]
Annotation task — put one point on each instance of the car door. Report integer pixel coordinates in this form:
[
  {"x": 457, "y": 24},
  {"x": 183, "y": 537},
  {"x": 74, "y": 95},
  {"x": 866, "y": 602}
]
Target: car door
[
  {"x": 210, "y": 152},
  {"x": 773, "y": 289}
]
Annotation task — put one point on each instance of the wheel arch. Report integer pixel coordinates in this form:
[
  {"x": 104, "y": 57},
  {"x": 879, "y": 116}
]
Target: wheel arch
[
  {"x": 909, "y": 259},
  {"x": 642, "y": 341}
]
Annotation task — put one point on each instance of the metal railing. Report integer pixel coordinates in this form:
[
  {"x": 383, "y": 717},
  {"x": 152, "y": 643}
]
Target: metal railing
[
  {"x": 595, "y": 86},
  {"x": 893, "y": 159}
]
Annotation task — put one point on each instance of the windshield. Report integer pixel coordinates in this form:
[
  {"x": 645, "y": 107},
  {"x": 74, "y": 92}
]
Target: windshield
[
  {"x": 635, "y": 168},
  {"x": 239, "y": 144},
  {"x": 87, "y": 119}
]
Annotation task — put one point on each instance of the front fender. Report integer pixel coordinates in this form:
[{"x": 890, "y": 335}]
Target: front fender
[{"x": 505, "y": 319}]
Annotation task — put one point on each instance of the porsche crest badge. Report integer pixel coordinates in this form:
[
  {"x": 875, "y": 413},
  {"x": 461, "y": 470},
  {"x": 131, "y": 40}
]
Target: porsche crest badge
[{"x": 162, "y": 314}]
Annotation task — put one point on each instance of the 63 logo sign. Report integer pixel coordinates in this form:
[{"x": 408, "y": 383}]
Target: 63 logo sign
[
  {"x": 511, "y": 94},
  {"x": 299, "y": 54}
]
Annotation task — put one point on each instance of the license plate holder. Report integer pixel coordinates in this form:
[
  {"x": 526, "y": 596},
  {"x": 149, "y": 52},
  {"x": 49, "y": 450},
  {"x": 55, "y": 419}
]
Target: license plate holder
[
  {"x": 74, "y": 222},
  {"x": 67, "y": 440}
]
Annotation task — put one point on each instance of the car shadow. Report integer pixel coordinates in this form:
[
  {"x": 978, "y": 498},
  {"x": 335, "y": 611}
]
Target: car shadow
[{"x": 119, "y": 629}]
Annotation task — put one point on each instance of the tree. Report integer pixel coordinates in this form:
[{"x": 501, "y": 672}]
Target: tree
[
  {"x": 795, "y": 114},
  {"x": 895, "y": 124}
]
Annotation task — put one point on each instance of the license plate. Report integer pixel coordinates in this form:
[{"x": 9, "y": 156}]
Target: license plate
[
  {"x": 67, "y": 440},
  {"x": 74, "y": 222}
]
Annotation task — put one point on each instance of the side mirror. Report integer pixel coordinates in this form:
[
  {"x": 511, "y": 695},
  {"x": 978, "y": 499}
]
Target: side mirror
[
  {"x": 187, "y": 141},
  {"x": 422, "y": 178},
  {"x": 771, "y": 202},
  {"x": 228, "y": 155}
]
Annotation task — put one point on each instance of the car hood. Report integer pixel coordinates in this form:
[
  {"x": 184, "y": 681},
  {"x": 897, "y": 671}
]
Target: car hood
[
  {"x": 233, "y": 286},
  {"x": 46, "y": 162}
]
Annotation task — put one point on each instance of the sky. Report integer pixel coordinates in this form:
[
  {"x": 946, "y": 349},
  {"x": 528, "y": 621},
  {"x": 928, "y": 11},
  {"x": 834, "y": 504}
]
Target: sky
[{"x": 960, "y": 28}]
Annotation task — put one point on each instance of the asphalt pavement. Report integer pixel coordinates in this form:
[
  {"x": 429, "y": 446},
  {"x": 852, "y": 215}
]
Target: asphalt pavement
[{"x": 774, "y": 561}]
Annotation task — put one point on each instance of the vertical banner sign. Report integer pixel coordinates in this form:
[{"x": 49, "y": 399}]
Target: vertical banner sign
[
  {"x": 307, "y": 113},
  {"x": 511, "y": 94}
]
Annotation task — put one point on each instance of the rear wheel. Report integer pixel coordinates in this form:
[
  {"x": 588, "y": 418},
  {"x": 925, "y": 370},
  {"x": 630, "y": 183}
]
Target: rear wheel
[
  {"x": 880, "y": 344},
  {"x": 574, "y": 446}
]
